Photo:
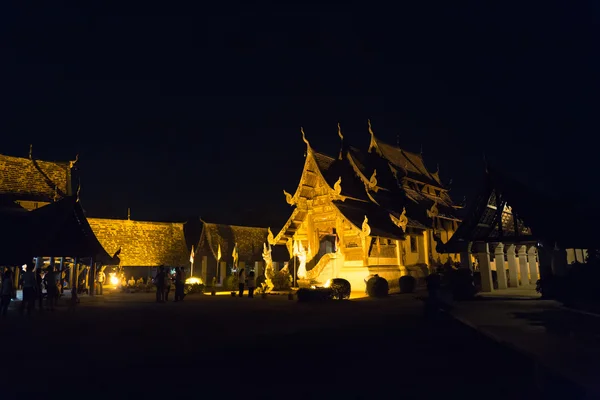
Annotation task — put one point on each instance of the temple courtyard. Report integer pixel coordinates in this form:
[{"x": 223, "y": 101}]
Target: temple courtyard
[{"x": 126, "y": 345}]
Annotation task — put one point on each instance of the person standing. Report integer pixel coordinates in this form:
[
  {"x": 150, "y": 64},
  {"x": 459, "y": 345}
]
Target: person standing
[
  {"x": 29, "y": 288},
  {"x": 159, "y": 281},
  {"x": 6, "y": 291},
  {"x": 179, "y": 285},
  {"x": 100, "y": 280},
  {"x": 241, "y": 281},
  {"x": 251, "y": 284},
  {"x": 51, "y": 287},
  {"x": 167, "y": 287},
  {"x": 39, "y": 280}
]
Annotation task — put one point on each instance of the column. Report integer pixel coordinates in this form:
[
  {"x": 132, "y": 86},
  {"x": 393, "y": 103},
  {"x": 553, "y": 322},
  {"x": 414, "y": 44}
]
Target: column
[
  {"x": 579, "y": 256},
  {"x": 426, "y": 248},
  {"x": 398, "y": 255},
  {"x": 523, "y": 267},
  {"x": 485, "y": 269},
  {"x": 571, "y": 257},
  {"x": 500, "y": 266},
  {"x": 223, "y": 272},
  {"x": 559, "y": 262},
  {"x": 465, "y": 258},
  {"x": 92, "y": 276},
  {"x": 531, "y": 260},
  {"x": 513, "y": 271}
]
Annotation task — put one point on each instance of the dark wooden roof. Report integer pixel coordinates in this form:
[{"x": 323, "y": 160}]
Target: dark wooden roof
[
  {"x": 59, "y": 229},
  {"x": 502, "y": 201},
  {"x": 250, "y": 242},
  {"x": 34, "y": 180},
  {"x": 378, "y": 218},
  {"x": 333, "y": 168}
]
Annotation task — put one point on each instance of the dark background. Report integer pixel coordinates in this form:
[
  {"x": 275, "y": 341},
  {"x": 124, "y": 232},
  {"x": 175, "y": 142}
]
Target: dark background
[{"x": 178, "y": 111}]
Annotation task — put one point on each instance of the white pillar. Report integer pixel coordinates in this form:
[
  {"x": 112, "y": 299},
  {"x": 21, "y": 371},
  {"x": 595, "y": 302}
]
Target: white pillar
[
  {"x": 500, "y": 266},
  {"x": 559, "y": 262},
  {"x": 513, "y": 272},
  {"x": 531, "y": 259},
  {"x": 485, "y": 269},
  {"x": 579, "y": 255},
  {"x": 523, "y": 267}
]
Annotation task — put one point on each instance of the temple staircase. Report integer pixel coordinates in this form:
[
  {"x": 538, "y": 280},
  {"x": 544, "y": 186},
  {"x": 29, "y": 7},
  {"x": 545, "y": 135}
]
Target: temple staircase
[{"x": 323, "y": 271}]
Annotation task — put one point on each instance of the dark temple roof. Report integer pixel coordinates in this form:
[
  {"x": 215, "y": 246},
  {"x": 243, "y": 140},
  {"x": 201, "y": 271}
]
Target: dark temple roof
[
  {"x": 250, "y": 242},
  {"x": 59, "y": 229},
  {"x": 34, "y": 180},
  {"x": 536, "y": 216},
  {"x": 332, "y": 169},
  {"x": 378, "y": 218}
]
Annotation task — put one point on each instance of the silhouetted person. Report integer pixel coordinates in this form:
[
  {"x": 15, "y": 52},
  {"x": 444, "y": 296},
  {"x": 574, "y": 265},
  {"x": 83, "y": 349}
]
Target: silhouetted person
[
  {"x": 251, "y": 284},
  {"x": 241, "y": 280},
  {"x": 51, "y": 287},
  {"x": 28, "y": 280},
  {"x": 6, "y": 291},
  {"x": 100, "y": 281},
  {"x": 168, "y": 281},
  {"x": 159, "y": 281},
  {"x": 39, "y": 286},
  {"x": 179, "y": 284}
]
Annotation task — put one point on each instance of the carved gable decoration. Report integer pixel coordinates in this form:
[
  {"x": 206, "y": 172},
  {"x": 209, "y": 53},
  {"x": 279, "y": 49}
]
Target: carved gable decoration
[
  {"x": 270, "y": 237},
  {"x": 433, "y": 211},
  {"x": 373, "y": 180},
  {"x": 366, "y": 229},
  {"x": 402, "y": 221},
  {"x": 289, "y": 198},
  {"x": 337, "y": 187}
]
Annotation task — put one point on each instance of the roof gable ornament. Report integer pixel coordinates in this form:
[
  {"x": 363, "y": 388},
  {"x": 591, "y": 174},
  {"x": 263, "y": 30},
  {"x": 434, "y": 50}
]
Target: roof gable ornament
[
  {"x": 342, "y": 142},
  {"x": 433, "y": 211},
  {"x": 402, "y": 221},
  {"x": 373, "y": 180},
  {"x": 72, "y": 163},
  {"x": 365, "y": 229},
  {"x": 289, "y": 198},
  {"x": 270, "y": 238},
  {"x": 373, "y": 143},
  {"x": 30, "y": 151},
  {"x": 337, "y": 186},
  {"x": 304, "y": 137}
]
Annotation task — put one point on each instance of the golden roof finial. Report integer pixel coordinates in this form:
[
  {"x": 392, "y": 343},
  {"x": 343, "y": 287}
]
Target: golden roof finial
[
  {"x": 340, "y": 132},
  {"x": 304, "y": 137},
  {"x": 30, "y": 151}
]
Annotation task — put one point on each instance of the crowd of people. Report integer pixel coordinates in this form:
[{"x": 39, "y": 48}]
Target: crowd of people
[
  {"x": 163, "y": 281},
  {"x": 33, "y": 281}
]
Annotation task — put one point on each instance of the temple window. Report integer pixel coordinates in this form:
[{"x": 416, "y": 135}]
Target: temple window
[{"x": 414, "y": 245}]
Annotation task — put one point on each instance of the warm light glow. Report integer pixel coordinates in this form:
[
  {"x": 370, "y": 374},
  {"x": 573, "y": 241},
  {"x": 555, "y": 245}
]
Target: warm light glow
[
  {"x": 24, "y": 267},
  {"x": 193, "y": 280},
  {"x": 114, "y": 280},
  {"x": 327, "y": 284},
  {"x": 313, "y": 287}
]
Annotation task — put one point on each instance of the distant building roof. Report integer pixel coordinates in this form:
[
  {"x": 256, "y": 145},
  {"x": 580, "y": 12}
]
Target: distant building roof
[
  {"x": 143, "y": 243},
  {"x": 249, "y": 240},
  {"x": 34, "y": 180},
  {"x": 57, "y": 230}
]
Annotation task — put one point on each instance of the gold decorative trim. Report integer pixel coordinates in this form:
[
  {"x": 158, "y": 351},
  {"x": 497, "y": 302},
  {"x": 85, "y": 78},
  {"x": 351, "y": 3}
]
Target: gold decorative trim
[
  {"x": 289, "y": 198},
  {"x": 365, "y": 229},
  {"x": 402, "y": 221}
]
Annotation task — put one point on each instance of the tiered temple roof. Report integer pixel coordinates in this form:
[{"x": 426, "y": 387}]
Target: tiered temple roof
[
  {"x": 249, "y": 240},
  {"x": 379, "y": 183},
  {"x": 508, "y": 211}
]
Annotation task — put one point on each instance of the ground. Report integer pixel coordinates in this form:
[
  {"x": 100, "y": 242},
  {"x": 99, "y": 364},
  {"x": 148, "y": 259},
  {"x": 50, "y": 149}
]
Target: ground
[{"x": 122, "y": 346}]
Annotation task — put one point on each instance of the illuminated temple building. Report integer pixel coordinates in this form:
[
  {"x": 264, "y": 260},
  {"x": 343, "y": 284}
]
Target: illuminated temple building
[{"x": 366, "y": 211}]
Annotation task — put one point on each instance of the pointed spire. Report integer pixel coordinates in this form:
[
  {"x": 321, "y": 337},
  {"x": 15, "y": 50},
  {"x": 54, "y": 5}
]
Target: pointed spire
[
  {"x": 370, "y": 128},
  {"x": 128, "y": 214},
  {"x": 372, "y": 144},
  {"x": 485, "y": 163},
  {"x": 304, "y": 137},
  {"x": 341, "y": 155},
  {"x": 30, "y": 151},
  {"x": 398, "y": 140},
  {"x": 437, "y": 171},
  {"x": 78, "y": 189}
]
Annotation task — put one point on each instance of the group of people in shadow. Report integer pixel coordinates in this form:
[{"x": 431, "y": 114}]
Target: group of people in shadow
[{"x": 163, "y": 281}]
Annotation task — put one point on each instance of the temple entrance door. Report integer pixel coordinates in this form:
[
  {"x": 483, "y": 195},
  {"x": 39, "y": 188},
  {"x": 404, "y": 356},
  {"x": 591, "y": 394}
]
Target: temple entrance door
[{"x": 326, "y": 245}]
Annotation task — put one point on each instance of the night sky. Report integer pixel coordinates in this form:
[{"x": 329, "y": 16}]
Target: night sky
[{"x": 189, "y": 111}]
